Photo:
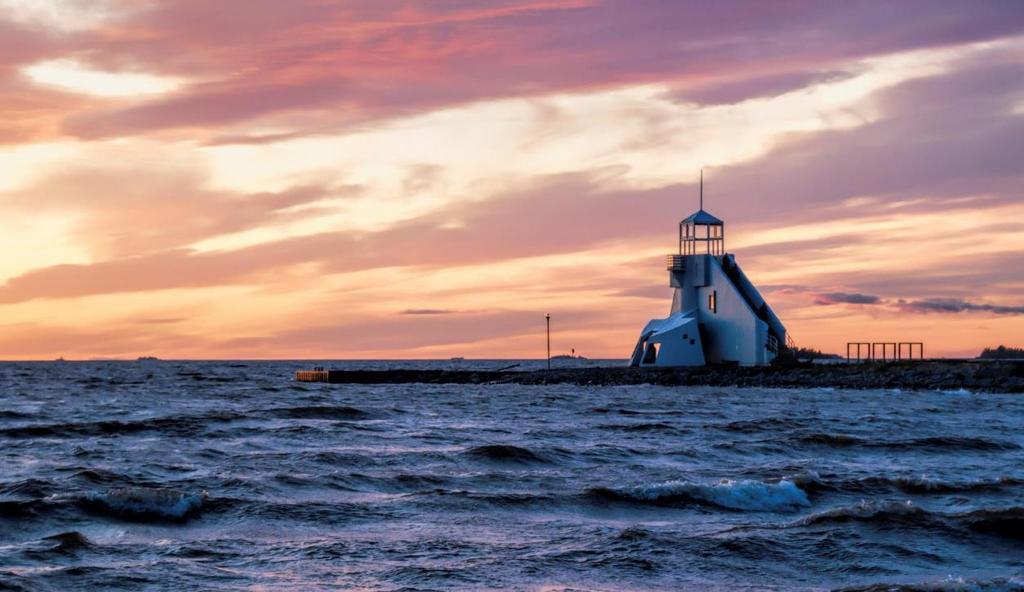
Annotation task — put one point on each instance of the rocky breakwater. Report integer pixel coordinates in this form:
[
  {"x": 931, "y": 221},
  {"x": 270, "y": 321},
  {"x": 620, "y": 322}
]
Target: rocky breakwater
[
  {"x": 1006, "y": 377},
  {"x": 933, "y": 375}
]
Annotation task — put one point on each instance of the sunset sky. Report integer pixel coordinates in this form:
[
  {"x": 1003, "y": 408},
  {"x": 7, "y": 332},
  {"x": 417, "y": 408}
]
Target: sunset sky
[{"x": 377, "y": 179}]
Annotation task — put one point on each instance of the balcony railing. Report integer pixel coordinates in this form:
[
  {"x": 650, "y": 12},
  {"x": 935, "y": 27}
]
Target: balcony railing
[{"x": 675, "y": 262}]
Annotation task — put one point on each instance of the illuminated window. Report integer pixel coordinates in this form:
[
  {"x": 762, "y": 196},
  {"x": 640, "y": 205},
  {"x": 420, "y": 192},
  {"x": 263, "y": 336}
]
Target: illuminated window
[{"x": 713, "y": 301}]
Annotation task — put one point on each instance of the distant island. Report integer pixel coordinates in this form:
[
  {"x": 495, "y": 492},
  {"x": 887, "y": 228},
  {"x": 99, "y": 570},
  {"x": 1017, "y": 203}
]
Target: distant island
[
  {"x": 1002, "y": 353},
  {"x": 567, "y": 357},
  {"x": 806, "y": 353}
]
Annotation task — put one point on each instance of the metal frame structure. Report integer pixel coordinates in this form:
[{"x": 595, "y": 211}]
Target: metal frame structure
[
  {"x": 859, "y": 344},
  {"x": 910, "y": 350},
  {"x": 868, "y": 350},
  {"x": 885, "y": 350}
]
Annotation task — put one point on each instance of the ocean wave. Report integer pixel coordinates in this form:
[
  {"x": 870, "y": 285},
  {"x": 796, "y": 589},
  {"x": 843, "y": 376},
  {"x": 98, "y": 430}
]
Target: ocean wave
[
  {"x": 505, "y": 453},
  {"x": 640, "y": 427},
  {"x": 633, "y": 412},
  {"x": 9, "y": 414},
  {"x": 68, "y": 542},
  {"x": 924, "y": 484},
  {"x": 950, "y": 584},
  {"x": 302, "y": 512},
  {"x": 506, "y": 499},
  {"x": 749, "y": 496},
  {"x": 890, "y": 512},
  {"x": 335, "y": 412},
  {"x": 812, "y": 482},
  {"x": 55, "y": 547},
  {"x": 185, "y": 425},
  {"x": 412, "y": 482},
  {"x": 102, "y": 476},
  {"x": 47, "y": 507},
  {"x": 1000, "y": 522},
  {"x": 765, "y": 424},
  {"x": 146, "y": 504},
  {"x": 26, "y": 488},
  {"x": 933, "y": 442},
  {"x": 20, "y": 509}
]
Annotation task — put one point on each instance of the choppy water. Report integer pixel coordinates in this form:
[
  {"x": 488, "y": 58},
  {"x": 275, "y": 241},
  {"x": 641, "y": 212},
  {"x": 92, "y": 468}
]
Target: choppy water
[{"x": 229, "y": 476}]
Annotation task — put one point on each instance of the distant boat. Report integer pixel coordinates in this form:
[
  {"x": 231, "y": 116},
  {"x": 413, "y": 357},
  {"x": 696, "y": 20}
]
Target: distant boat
[
  {"x": 60, "y": 359},
  {"x": 148, "y": 359},
  {"x": 458, "y": 359}
]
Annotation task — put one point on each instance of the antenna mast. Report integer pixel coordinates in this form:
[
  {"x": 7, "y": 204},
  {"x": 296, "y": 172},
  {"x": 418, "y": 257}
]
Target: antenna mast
[{"x": 702, "y": 189}]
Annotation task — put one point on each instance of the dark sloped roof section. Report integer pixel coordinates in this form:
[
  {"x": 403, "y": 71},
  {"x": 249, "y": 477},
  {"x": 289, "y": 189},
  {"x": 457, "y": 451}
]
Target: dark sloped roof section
[{"x": 702, "y": 217}]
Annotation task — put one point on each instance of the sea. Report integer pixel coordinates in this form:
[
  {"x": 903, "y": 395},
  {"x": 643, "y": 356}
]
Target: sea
[{"x": 176, "y": 475}]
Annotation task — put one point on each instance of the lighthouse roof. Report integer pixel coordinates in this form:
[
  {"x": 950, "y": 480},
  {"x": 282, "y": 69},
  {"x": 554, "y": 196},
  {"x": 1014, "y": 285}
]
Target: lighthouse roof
[{"x": 702, "y": 217}]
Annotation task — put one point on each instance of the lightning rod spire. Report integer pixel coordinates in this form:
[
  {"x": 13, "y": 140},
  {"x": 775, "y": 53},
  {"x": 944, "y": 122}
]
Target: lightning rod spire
[{"x": 702, "y": 189}]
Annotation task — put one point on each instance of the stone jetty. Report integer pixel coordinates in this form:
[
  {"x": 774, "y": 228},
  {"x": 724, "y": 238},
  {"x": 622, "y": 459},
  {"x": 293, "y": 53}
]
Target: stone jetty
[{"x": 953, "y": 375}]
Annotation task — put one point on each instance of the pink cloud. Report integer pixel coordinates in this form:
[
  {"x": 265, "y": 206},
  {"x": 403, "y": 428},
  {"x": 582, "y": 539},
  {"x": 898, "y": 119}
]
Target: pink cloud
[{"x": 363, "y": 60}]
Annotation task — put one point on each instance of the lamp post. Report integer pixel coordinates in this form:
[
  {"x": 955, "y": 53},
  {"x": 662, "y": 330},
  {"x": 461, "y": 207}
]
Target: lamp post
[{"x": 547, "y": 317}]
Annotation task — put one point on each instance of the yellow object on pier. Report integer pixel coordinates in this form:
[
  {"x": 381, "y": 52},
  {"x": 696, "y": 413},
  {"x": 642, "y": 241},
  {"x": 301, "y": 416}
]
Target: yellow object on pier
[{"x": 317, "y": 375}]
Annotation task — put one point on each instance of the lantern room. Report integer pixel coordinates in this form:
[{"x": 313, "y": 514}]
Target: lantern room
[{"x": 701, "y": 233}]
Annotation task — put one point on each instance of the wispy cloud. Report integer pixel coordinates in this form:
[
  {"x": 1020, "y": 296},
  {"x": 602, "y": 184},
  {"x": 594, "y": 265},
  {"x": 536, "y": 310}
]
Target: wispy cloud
[
  {"x": 956, "y": 305},
  {"x": 920, "y": 306},
  {"x": 845, "y": 298}
]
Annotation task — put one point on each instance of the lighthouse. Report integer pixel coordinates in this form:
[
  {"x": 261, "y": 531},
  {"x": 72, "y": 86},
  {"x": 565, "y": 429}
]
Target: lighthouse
[{"x": 717, "y": 315}]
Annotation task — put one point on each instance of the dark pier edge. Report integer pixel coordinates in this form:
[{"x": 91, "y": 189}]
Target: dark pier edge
[{"x": 995, "y": 376}]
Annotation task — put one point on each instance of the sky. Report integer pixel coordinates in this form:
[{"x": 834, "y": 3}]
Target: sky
[{"x": 320, "y": 179}]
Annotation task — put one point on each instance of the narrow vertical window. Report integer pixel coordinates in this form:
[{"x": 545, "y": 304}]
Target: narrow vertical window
[{"x": 713, "y": 301}]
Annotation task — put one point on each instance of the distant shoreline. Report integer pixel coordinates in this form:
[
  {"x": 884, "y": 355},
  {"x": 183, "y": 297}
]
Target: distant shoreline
[{"x": 991, "y": 376}]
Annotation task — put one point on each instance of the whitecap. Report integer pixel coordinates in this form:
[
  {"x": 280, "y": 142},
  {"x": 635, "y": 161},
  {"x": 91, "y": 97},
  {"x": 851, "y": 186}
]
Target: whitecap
[
  {"x": 747, "y": 495},
  {"x": 144, "y": 502}
]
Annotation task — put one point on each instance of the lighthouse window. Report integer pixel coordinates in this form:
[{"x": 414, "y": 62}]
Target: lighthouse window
[{"x": 713, "y": 301}]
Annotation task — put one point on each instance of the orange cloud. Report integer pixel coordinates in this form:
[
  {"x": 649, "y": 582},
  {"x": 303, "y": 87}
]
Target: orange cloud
[{"x": 123, "y": 212}]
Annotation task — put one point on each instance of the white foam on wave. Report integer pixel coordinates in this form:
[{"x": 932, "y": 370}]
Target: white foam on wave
[
  {"x": 805, "y": 478},
  {"x": 959, "y": 584},
  {"x": 751, "y": 496},
  {"x": 142, "y": 501}
]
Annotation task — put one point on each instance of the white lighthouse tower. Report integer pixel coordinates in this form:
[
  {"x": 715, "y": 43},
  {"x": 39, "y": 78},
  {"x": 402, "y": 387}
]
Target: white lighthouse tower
[{"x": 717, "y": 315}]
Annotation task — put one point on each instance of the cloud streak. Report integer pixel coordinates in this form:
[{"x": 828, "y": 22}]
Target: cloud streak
[
  {"x": 918, "y": 306},
  {"x": 956, "y": 305},
  {"x": 830, "y": 298}
]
